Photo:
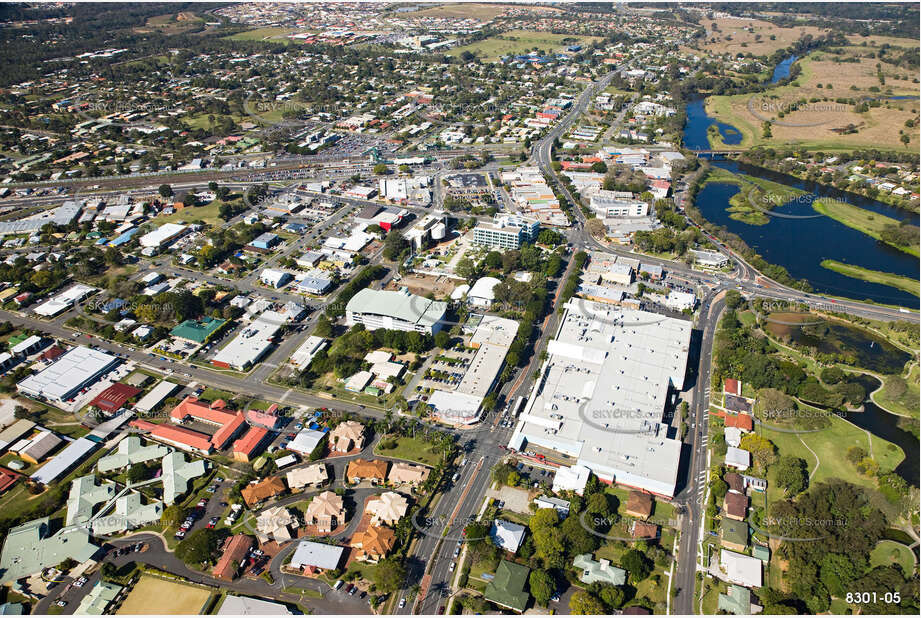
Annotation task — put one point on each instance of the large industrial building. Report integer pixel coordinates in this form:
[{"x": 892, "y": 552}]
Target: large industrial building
[
  {"x": 602, "y": 393},
  {"x": 395, "y": 310},
  {"x": 73, "y": 370}
]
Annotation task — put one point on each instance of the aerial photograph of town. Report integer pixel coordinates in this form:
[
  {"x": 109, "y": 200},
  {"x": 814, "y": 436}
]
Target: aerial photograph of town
[{"x": 460, "y": 308}]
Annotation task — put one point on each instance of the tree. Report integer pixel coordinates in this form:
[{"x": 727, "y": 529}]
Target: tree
[
  {"x": 613, "y": 597},
  {"x": 380, "y": 169},
  {"x": 197, "y": 547},
  {"x": 792, "y": 474},
  {"x": 637, "y": 564},
  {"x": 389, "y": 575},
  {"x": 138, "y": 472},
  {"x": 394, "y": 245},
  {"x": 442, "y": 339},
  {"x": 542, "y": 586},
  {"x": 762, "y": 450},
  {"x": 165, "y": 191},
  {"x": 324, "y": 327},
  {"x": 584, "y": 604}
]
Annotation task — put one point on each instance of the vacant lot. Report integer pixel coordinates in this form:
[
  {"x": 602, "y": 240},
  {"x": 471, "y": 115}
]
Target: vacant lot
[
  {"x": 411, "y": 449},
  {"x": 520, "y": 42},
  {"x": 152, "y": 595},
  {"x": 172, "y": 23},
  {"x": 263, "y": 34},
  {"x": 751, "y": 35}
]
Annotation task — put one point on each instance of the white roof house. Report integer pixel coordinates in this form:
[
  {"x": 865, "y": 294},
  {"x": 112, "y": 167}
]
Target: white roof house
[
  {"x": 481, "y": 293},
  {"x": 572, "y": 478},
  {"x": 274, "y": 278},
  {"x": 507, "y": 535},
  {"x": 318, "y": 555},
  {"x": 395, "y": 310},
  {"x": 248, "y": 606},
  {"x": 741, "y": 569},
  {"x": 738, "y": 458},
  {"x": 162, "y": 235},
  {"x": 733, "y": 436},
  {"x": 305, "y": 441}
]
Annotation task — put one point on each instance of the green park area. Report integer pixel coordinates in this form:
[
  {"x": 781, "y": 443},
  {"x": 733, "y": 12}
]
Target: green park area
[
  {"x": 872, "y": 224},
  {"x": 907, "y": 284},
  {"x": 410, "y": 449}
]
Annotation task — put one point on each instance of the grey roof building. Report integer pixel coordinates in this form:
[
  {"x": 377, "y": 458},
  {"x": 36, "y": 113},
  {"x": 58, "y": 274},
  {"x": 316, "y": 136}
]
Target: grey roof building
[
  {"x": 30, "y": 548},
  {"x": 395, "y": 310}
]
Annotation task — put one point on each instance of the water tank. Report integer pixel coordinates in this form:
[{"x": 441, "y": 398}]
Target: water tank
[{"x": 438, "y": 232}]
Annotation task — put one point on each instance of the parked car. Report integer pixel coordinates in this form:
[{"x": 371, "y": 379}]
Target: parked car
[{"x": 402, "y": 602}]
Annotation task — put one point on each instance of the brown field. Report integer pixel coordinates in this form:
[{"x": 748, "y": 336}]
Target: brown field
[
  {"x": 876, "y": 41},
  {"x": 425, "y": 284},
  {"x": 152, "y": 595},
  {"x": 171, "y": 23},
  {"x": 479, "y": 11},
  {"x": 744, "y": 41},
  {"x": 814, "y": 123}
]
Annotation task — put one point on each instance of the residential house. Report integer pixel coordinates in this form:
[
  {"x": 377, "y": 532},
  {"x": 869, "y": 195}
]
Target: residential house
[{"x": 325, "y": 511}]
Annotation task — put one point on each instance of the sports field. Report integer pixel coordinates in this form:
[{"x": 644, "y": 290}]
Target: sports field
[{"x": 153, "y": 595}]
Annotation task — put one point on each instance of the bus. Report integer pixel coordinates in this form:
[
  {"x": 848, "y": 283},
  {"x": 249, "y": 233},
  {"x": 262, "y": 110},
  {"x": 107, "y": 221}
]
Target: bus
[{"x": 517, "y": 407}]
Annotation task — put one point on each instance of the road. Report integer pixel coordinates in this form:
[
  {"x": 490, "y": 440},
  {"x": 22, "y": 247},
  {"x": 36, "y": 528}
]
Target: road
[{"x": 433, "y": 552}]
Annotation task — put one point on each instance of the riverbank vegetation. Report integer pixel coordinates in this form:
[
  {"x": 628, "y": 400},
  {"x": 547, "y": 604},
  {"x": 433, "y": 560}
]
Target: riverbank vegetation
[
  {"x": 756, "y": 196},
  {"x": 900, "y": 235},
  {"x": 907, "y": 284}
]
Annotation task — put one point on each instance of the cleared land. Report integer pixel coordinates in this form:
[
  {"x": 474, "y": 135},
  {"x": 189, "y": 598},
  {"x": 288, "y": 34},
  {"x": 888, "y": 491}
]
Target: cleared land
[
  {"x": 870, "y": 223},
  {"x": 751, "y": 36},
  {"x": 473, "y": 9},
  {"x": 172, "y": 23},
  {"x": 520, "y": 42},
  {"x": 152, "y": 595},
  {"x": 806, "y": 112},
  {"x": 873, "y": 276}
]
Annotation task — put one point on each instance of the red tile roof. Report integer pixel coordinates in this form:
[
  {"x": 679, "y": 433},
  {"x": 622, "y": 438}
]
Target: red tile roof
[
  {"x": 191, "y": 407},
  {"x": 227, "y": 432},
  {"x": 742, "y": 421},
  {"x": 732, "y": 386},
  {"x": 178, "y": 435},
  {"x": 114, "y": 397},
  {"x": 235, "y": 552},
  {"x": 249, "y": 442},
  {"x": 7, "y": 479}
]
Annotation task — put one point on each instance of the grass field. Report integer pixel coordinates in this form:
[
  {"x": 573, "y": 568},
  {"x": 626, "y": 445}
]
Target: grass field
[
  {"x": 907, "y": 284},
  {"x": 152, "y": 595},
  {"x": 830, "y": 447},
  {"x": 888, "y": 552},
  {"x": 805, "y": 112},
  {"x": 473, "y": 9},
  {"x": 263, "y": 34},
  {"x": 207, "y": 214},
  {"x": 411, "y": 449},
  {"x": 900, "y": 395},
  {"x": 520, "y": 42},
  {"x": 870, "y": 223}
]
